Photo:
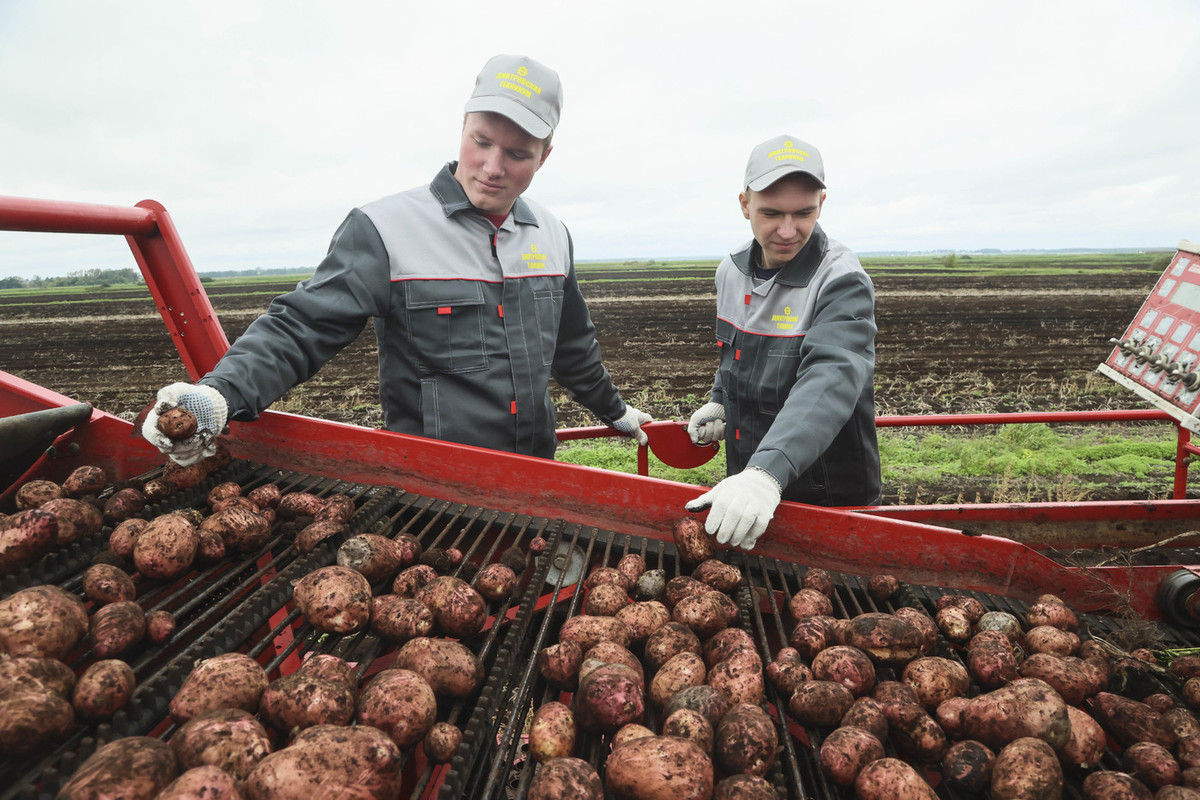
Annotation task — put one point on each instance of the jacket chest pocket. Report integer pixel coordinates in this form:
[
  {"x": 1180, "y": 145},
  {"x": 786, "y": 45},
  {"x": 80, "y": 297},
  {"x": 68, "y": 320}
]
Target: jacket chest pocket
[
  {"x": 777, "y": 368},
  {"x": 547, "y": 303},
  {"x": 445, "y": 325}
]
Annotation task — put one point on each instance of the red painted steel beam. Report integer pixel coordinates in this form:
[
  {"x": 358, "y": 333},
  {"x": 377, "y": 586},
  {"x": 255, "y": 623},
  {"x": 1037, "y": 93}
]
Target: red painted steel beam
[
  {"x": 1089, "y": 417},
  {"x": 53, "y": 216}
]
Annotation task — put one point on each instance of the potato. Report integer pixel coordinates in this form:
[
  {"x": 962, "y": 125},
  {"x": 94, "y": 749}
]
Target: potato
[
  {"x": 605, "y": 600},
  {"x": 973, "y": 608},
  {"x": 1151, "y": 763},
  {"x": 31, "y": 718},
  {"x": 160, "y": 626},
  {"x": 585, "y": 630},
  {"x": 497, "y": 582},
  {"x": 608, "y": 697},
  {"x": 182, "y": 477},
  {"x": 124, "y": 535},
  {"x": 627, "y": 733},
  {"x": 299, "y": 504},
  {"x": 885, "y": 638},
  {"x": 954, "y": 623},
  {"x": 103, "y": 688},
  {"x": 810, "y": 603},
  {"x": 787, "y": 671},
  {"x": 892, "y": 693},
  {"x": 441, "y": 743},
  {"x": 241, "y": 529},
  {"x": 643, "y": 618},
  {"x": 228, "y": 680},
  {"x": 1182, "y": 722},
  {"x": 820, "y": 704},
  {"x": 1001, "y": 621},
  {"x": 266, "y": 496},
  {"x": 76, "y": 519},
  {"x": 400, "y": 703},
  {"x": 105, "y": 583},
  {"x": 967, "y": 767},
  {"x": 745, "y": 741},
  {"x": 681, "y": 671},
  {"x": 458, "y": 609},
  {"x": 810, "y": 636},
  {"x": 85, "y": 480},
  {"x": 559, "y": 664},
  {"x": 123, "y": 504},
  {"x": 687, "y": 723},
  {"x": 1025, "y": 708},
  {"x": 334, "y": 599},
  {"x": 1109, "y": 785},
  {"x": 935, "y": 679},
  {"x": 846, "y": 665},
  {"x": 991, "y": 659},
  {"x": 566, "y": 778},
  {"x": 315, "y": 533},
  {"x": 739, "y": 678},
  {"x": 1055, "y": 615},
  {"x": 202, "y": 783},
  {"x": 926, "y": 627},
  {"x": 36, "y": 672},
  {"x": 891, "y": 779},
  {"x": 612, "y": 653},
  {"x": 818, "y": 579},
  {"x": 132, "y": 768},
  {"x": 356, "y": 761},
  {"x": 916, "y": 733},
  {"x": 304, "y": 699},
  {"x": 846, "y": 750},
  {"x": 607, "y": 575},
  {"x": 1176, "y": 792},
  {"x": 692, "y": 542},
  {"x": 411, "y": 579},
  {"x": 866, "y": 713},
  {"x": 1130, "y": 721},
  {"x": 1066, "y": 675},
  {"x": 632, "y": 566},
  {"x": 117, "y": 628},
  {"x": 552, "y": 732},
  {"x": 725, "y": 643},
  {"x": 230, "y": 739},
  {"x": 25, "y": 537},
  {"x": 165, "y": 548},
  {"x": 337, "y": 508},
  {"x": 666, "y": 642},
  {"x": 1048, "y": 639},
  {"x": 35, "y": 493},
  {"x": 397, "y": 619},
  {"x": 720, "y": 576},
  {"x": 744, "y": 787},
  {"x": 882, "y": 587},
  {"x": 659, "y": 768},
  {"x": 650, "y": 585},
  {"x": 704, "y": 699},
  {"x": 707, "y": 613},
  {"x": 42, "y": 621},
  {"x": 1027, "y": 769},
  {"x": 680, "y": 587},
  {"x": 449, "y": 667}
]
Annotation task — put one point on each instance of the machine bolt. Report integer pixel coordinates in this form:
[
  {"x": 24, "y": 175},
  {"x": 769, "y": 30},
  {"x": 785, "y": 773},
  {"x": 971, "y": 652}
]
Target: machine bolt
[{"x": 1191, "y": 380}]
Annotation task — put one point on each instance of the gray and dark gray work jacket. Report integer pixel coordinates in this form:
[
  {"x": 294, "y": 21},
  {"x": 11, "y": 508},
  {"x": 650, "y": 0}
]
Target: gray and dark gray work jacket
[
  {"x": 797, "y": 373},
  {"x": 471, "y": 322}
]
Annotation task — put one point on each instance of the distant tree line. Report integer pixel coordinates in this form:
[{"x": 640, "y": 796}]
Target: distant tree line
[{"x": 83, "y": 277}]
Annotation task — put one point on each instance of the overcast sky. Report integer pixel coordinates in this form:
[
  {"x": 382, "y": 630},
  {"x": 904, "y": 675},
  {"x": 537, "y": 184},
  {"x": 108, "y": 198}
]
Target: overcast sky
[{"x": 942, "y": 124}]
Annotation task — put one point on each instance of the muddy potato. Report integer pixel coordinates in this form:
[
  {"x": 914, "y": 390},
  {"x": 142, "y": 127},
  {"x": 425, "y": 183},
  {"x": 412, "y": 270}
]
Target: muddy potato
[
  {"x": 203, "y": 783},
  {"x": 1182, "y": 722},
  {"x": 450, "y": 668},
  {"x": 25, "y": 537},
  {"x": 103, "y": 688},
  {"x": 76, "y": 519},
  {"x": 123, "y": 504},
  {"x": 299, "y": 504},
  {"x": 949, "y": 715},
  {"x": 1176, "y": 792},
  {"x": 303, "y": 699},
  {"x": 1151, "y": 763},
  {"x": 717, "y": 574},
  {"x": 707, "y": 613},
  {"x": 181, "y": 477},
  {"x": 787, "y": 671},
  {"x": 926, "y": 627},
  {"x": 441, "y": 743},
  {"x": 885, "y": 638},
  {"x": 266, "y": 496},
  {"x": 681, "y": 671},
  {"x": 605, "y": 600},
  {"x": 223, "y": 491},
  {"x": 117, "y": 628},
  {"x": 552, "y": 732},
  {"x": 967, "y": 767},
  {"x": 411, "y": 579},
  {"x": 739, "y": 678},
  {"x": 31, "y": 718},
  {"x": 586, "y": 630},
  {"x": 160, "y": 626},
  {"x": 846, "y": 665},
  {"x": 559, "y": 664},
  {"x": 357, "y": 761},
  {"x": 566, "y": 778},
  {"x": 608, "y": 697},
  {"x": 42, "y": 621},
  {"x": 85, "y": 480},
  {"x": 810, "y": 603},
  {"x": 818, "y": 579},
  {"x": 991, "y": 659},
  {"x": 397, "y": 619},
  {"x": 954, "y": 623},
  {"x": 1111, "y": 785},
  {"x": 882, "y": 587},
  {"x": 1048, "y": 639},
  {"x": 1066, "y": 675},
  {"x": 166, "y": 547},
  {"x": 243, "y": 530},
  {"x": 866, "y": 713},
  {"x": 651, "y": 585},
  {"x": 607, "y": 575},
  {"x": 124, "y": 535},
  {"x": 891, "y": 779},
  {"x": 312, "y": 535},
  {"x": 337, "y": 508},
  {"x": 688, "y": 723},
  {"x": 228, "y": 680},
  {"x": 334, "y": 599},
  {"x": 659, "y": 768},
  {"x": 36, "y": 672},
  {"x": 497, "y": 582},
  {"x": 1025, "y": 708},
  {"x": 680, "y": 587},
  {"x": 810, "y": 636},
  {"x": 105, "y": 583},
  {"x": 613, "y": 653},
  {"x": 725, "y": 643},
  {"x": 666, "y": 642},
  {"x": 935, "y": 679},
  {"x": 916, "y": 733},
  {"x": 643, "y": 618},
  {"x": 704, "y": 699},
  {"x": 1026, "y": 769},
  {"x": 400, "y": 703},
  {"x": 632, "y": 566},
  {"x": 846, "y": 750},
  {"x": 821, "y": 704},
  {"x": 745, "y": 741},
  {"x": 458, "y": 609},
  {"x": 692, "y": 542},
  {"x": 1130, "y": 721},
  {"x": 132, "y": 768},
  {"x": 744, "y": 787},
  {"x": 973, "y": 607},
  {"x": 32, "y": 494},
  {"x": 230, "y": 739}
]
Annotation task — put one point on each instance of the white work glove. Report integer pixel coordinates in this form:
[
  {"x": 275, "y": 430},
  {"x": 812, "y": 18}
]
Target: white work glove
[
  {"x": 742, "y": 505},
  {"x": 206, "y": 404},
  {"x": 631, "y": 423},
  {"x": 707, "y": 425}
]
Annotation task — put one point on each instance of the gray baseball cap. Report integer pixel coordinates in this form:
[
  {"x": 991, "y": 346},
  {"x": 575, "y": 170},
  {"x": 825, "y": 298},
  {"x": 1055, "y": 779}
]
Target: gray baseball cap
[
  {"x": 782, "y": 156},
  {"x": 525, "y": 91}
]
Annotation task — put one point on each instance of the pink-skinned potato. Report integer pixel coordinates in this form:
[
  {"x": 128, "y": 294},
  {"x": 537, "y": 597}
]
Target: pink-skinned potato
[
  {"x": 612, "y": 653},
  {"x": 692, "y": 542},
  {"x": 739, "y": 678},
  {"x": 967, "y": 767},
  {"x": 166, "y": 548},
  {"x": 744, "y": 787},
  {"x": 458, "y": 609},
  {"x": 441, "y": 742},
  {"x": 105, "y": 583},
  {"x": 1026, "y": 768},
  {"x": 866, "y": 713},
  {"x": 659, "y": 768},
  {"x": 1112, "y": 785},
  {"x": 35, "y": 493},
  {"x": 202, "y": 783},
  {"x": 745, "y": 741},
  {"x": 846, "y": 665},
  {"x": 85, "y": 480},
  {"x": 1024, "y": 708},
  {"x": 354, "y": 761},
  {"x": 820, "y": 704},
  {"x": 706, "y": 613},
  {"x": 117, "y": 628},
  {"x": 667, "y": 641},
  {"x": 717, "y": 574},
  {"x": 926, "y": 627},
  {"x": 725, "y": 643},
  {"x": 608, "y": 697},
  {"x": 586, "y": 630},
  {"x": 681, "y": 671},
  {"x": 36, "y": 672},
  {"x": 885, "y": 638},
  {"x": 228, "y": 680},
  {"x": 566, "y": 778},
  {"x": 891, "y": 779},
  {"x": 935, "y": 679},
  {"x": 76, "y": 519},
  {"x": 690, "y": 724},
  {"x": 559, "y": 664},
  {"x": 450, "y": 668},
  {"x": 334, "y": 599},
  {"x": 1131, "y": 721},
  {"x": 301, "y": 700},
  {"x": 400, "y": 703},
  {"x": 242, "y": 530},
  {"x": 32, "y": 718},
  {"x": 552, "y": 732},
  {"x": 103, "y": 688},
  {"x": 496, "y": 582},
  {"x": 131, "y": 768},
  {"x": 25, "y": 537},
  {"x": 846, "y": 750},
  {"x": 42, "y": 621},
  {"x": 230, "y": 739},
  {"x": 643, "y": 618},
  {"x": 299, "y": 504}
]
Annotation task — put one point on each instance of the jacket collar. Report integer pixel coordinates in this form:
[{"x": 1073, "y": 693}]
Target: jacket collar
[
  {"x": 797, "y": 272},
  {"x": 450, "y": 194}
]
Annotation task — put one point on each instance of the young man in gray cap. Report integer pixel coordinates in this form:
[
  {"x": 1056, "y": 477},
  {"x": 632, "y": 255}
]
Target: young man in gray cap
[
  {"x": 471, "y": 287},
  {"x": 793, "y": 398}
]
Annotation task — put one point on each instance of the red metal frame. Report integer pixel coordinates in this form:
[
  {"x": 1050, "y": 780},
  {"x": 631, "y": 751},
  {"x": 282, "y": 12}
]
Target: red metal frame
[{"x": 923, "y": 545}]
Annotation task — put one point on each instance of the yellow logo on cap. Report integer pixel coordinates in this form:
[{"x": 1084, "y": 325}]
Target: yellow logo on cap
[
  {"x": 789, "y": 152},
  {"x": 533, "y": 259},
  {"x": 517, "y": 82}
]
